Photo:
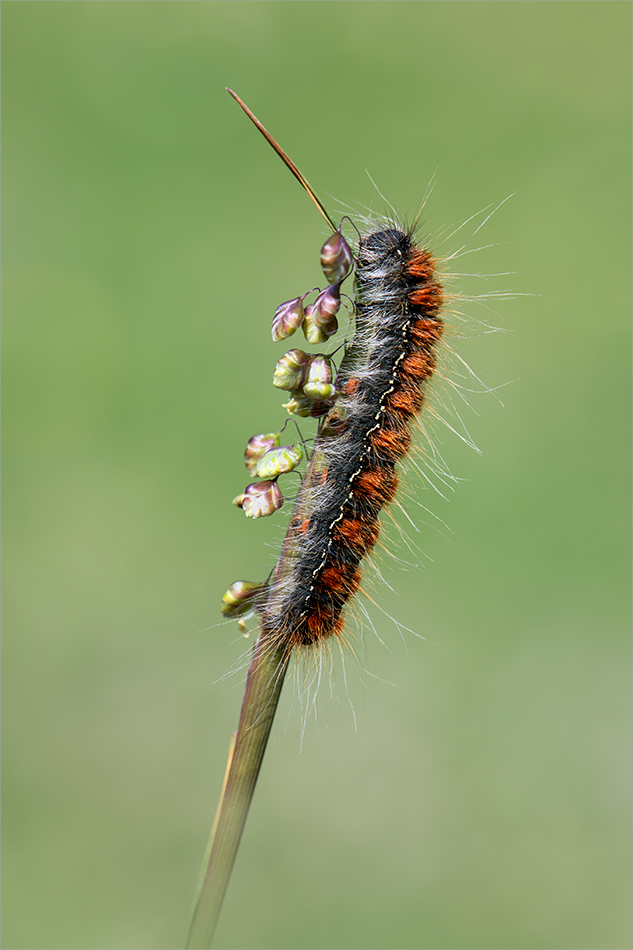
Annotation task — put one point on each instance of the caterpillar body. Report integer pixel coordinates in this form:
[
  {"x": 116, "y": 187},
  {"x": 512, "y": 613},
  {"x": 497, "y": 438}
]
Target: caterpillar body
[{"x": 351, "y": 475}]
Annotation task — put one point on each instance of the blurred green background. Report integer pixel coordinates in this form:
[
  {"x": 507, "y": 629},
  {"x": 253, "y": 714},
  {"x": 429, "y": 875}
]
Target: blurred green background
[{"x": 149, "y": 233}]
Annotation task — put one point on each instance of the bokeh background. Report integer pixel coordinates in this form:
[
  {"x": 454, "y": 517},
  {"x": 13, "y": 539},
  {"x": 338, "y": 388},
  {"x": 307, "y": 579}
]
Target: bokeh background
[{"x": 481, "y": 801}]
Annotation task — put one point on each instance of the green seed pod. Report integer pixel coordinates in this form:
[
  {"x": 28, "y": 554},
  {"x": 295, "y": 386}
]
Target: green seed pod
[
  {"x": 316, "y": 333},
  {"x": 318, "y": 384},
  {"x": 257, "y": 447},
  {"x": 300, "y": 405},
  {"x": 239, "y": 598},
  {"x": 290, "y": 371},
  {"x": 278, "y": 461},
  {"x": 262, "y": 499}
]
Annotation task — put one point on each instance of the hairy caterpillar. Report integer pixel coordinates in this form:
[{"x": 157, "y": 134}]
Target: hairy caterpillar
[
  {"x": 351, "y": 475},
  {"x": 364, "y": 429}
]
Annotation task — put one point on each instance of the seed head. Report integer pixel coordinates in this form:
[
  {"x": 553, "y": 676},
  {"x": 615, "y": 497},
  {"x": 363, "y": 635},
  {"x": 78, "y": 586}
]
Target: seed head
[
  {"x": 262, "y": 499},
  {"x": 315, "y": 333},
  {"x": 278, "y": 461},
  {"x": 318, "y": 385},
  {"x": 326, "y": 306},
  {"x": 290, "y": 371},
  {"x": 288, "y": 318},
  {"x": 320, "y": 321},
  {"x": 336, "y": 258},
  {"x": 257, "y": 447}
]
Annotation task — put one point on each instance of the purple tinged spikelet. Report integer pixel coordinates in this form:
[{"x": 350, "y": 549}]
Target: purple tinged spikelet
[
  {"x": 262, "y": 499},
  {"x": 320, "y": 321},
  {"x": 326, "y": 306},
  {"x": 318, "y": 384},
  {"x": 316, "y": 334},
  {"x": 336, "y": 258},
  {"x": 257, "y": 447},
  {"x": 291, "y": 370},
  {"x": 288, "y": 318}
]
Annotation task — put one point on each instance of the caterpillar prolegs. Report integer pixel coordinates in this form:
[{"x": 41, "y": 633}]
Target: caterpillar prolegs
[{"x": 365, "y": 415}]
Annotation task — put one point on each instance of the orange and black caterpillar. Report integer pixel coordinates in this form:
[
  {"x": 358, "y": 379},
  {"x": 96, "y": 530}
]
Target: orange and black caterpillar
[{"x": 351, "y": 475}]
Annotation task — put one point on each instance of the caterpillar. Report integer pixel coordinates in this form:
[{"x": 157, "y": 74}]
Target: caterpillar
[
  {"x": 364, "y": 430},
  {"x": 352, "y": 473}
]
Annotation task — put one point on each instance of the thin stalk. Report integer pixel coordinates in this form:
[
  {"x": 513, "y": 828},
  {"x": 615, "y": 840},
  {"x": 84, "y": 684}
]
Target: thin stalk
[
  {"x": 263, "y": 688},
  {"x": 288, "y": 162}
]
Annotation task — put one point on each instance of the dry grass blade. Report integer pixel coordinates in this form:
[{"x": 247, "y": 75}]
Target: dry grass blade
[{"x": 263, "y": 688}]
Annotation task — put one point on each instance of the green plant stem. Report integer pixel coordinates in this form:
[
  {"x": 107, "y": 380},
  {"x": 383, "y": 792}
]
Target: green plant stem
[{"x": 263, "y": 687}]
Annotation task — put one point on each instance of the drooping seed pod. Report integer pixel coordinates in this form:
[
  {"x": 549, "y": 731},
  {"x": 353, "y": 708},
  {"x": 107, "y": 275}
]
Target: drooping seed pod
[
  {"x": 318, "y": 384},
  {"x": 291, "y": 370},
  {"x": 262, "y": 499},
  {"x": 318, "y": 334},
  {"x": 257, "y": 447},
  {"x": 326, "y": 306},
  {"x": 278, "y": 461},
  {"x": 300, "y": 405},
  {"x": 239, "y": 598},
  {"x": 336, "y": 258},
  {"x": 320, "y": 321},
  {"x": 288, "y": 317}
]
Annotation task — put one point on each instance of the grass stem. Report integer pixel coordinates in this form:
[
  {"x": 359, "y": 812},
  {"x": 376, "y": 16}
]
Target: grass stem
[{"x": 263, "y": 687}]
